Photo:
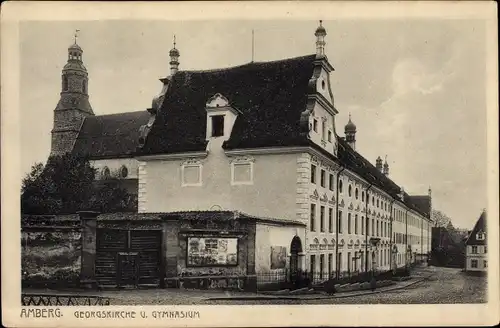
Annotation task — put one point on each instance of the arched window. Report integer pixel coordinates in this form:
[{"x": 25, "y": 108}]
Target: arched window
[
  {"x": 340, "y": 186},
  {"x": 106, "y": 173},
  {"x": 377, "y": 203},
  {"x": 84, "y": 86},
  {"x": 65, "y": 83},
  {"x": 123, "y": 171},
  {"x": 356, "y": 194},
  {"x": 363, "y": 196},
  {"x": 350, "y": 191}
]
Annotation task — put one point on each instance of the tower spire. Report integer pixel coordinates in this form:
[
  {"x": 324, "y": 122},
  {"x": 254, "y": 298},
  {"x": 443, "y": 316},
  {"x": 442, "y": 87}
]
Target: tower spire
[
  {"x": 174, "y": 59},
  {"x": 320, "y": 40},
  {"x": 350, "y": 133},
  {"x": 76, "y": 34},
  {"x": 386, "y": 167}
]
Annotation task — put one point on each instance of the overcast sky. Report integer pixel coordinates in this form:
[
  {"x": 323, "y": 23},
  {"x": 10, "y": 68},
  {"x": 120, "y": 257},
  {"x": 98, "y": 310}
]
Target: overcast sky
[{"x": 415, "y": 88}]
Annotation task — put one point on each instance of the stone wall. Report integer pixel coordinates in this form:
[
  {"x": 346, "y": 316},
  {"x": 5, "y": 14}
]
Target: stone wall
[{"x": 51, "y": 255}]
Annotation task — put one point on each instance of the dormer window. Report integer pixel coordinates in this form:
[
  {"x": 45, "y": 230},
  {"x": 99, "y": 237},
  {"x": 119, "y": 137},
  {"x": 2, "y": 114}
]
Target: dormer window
[
  {"x": 217, "y": 125},
  {"x": 220, "y": 117},
  {"x": 480, "y": 235}
]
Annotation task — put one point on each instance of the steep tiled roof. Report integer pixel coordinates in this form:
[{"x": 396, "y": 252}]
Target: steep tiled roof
[
  {"x": 423, "y": 203},
  {"x": 110, "y": 136},
  {"x": 270, "y": 97},
  {"x": 479, "y": 226}
]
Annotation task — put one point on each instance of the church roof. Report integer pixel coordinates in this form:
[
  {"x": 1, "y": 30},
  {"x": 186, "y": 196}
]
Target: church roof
[
  {"x": 479, "y": 226},
  {"x": 110, "y": 136},
  {"x": 270, "y": 97}
]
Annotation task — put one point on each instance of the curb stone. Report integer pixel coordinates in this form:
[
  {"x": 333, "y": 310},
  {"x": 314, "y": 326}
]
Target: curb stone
[{"x": 283, "y": 297}]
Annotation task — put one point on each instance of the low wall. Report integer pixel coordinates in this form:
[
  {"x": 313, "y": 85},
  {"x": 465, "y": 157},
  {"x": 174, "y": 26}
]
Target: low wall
[{"x": 51, "y": 253}]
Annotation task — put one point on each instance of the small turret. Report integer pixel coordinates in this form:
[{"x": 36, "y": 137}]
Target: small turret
[
  {"x": 350, "y": 133},
  {"x": 320, "y": 40},
  {"x": 378, "y": 164},
  {"x": 174, "y": 59},
  {"x": 385, "y": 170}
]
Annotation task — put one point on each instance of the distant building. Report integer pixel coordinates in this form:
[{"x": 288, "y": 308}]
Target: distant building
[{"x": 476, "y": 254}]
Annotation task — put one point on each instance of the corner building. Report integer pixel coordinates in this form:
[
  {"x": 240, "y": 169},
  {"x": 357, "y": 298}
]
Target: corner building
[
  {"x": 261, "y": 139},
  {"x": 242, "y": 171}
]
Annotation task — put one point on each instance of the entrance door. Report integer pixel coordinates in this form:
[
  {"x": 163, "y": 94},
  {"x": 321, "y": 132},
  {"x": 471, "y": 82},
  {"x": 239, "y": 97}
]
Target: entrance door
[
  {"x": 128, "y": 257},
  {"x": 295, "y": 249}
]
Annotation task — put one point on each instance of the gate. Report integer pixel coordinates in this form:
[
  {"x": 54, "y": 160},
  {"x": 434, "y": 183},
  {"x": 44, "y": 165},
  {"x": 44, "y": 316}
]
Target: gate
[{"x": 128, "y": 257}]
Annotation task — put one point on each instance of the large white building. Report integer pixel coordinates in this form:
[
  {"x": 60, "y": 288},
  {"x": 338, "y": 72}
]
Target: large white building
[{"x": 259, "y": 139}]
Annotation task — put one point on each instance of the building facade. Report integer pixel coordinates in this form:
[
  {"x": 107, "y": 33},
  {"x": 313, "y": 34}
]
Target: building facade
[
  {"x": 258, "y": 139},
  {"x": 476, "y": 247}
]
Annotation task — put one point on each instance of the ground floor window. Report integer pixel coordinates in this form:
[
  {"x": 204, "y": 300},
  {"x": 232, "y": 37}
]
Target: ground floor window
[
  {"x": 330, "y": 264},
  {"x": 313, "y": 263},
  {"x": 485, "y": 263},
  {"x": 473, "y": 263},
  {"x": 321, "y": 265}
]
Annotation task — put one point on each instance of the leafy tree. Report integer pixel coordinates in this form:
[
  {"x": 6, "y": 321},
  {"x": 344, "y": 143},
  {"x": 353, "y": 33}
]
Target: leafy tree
[
  {"x": 66, "y": 184},
  {"x": 440, "y": 219}
]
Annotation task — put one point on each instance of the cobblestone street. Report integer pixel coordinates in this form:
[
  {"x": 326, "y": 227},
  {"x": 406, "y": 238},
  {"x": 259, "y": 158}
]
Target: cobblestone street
[{"x": 446, "y": 286}]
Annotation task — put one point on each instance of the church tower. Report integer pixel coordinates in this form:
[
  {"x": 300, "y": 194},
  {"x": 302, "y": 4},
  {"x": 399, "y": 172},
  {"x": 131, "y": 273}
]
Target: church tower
[{"x": 73, "y": 105}]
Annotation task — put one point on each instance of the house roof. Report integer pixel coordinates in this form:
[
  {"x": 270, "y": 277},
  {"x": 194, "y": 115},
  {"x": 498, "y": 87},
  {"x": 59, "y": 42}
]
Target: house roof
[
  {"x": 270, "y": 97},
  {"x": 110, "y": 136},
  {"x": 479, "y": 226},
  {"x": 423, "y": 203}
]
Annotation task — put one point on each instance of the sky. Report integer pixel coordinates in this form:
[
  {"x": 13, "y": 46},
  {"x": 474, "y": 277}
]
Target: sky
[{"x": 415, "y": 88}]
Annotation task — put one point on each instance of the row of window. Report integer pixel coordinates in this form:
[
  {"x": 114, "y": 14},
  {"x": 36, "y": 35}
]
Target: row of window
[
  {"x": 326, "y": 134},
  {"x": 474, "y": 263},
  {"x": 355, "y": 261},
  {"x": 241, "y": 173},
  {"x": 323, "y": 176},
  {"x": 106, "y": 172},
  {"x": 378, "y": 228},
  {"x": 474, "y": 249}
]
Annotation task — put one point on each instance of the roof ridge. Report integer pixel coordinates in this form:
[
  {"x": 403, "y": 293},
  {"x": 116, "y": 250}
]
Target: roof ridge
[
  {"x": 117, "y": 114},
  {"x": 246, "y": 64}
]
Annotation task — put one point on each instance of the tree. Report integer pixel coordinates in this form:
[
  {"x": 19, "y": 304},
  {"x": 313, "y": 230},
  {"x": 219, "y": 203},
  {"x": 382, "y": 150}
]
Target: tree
[
  {"x": 66, "y": 184},
  {"x": 440, "y": 219}
]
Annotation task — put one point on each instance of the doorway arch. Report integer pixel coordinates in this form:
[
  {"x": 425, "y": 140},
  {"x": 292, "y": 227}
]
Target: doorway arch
[{"x": 295, "y": 250}]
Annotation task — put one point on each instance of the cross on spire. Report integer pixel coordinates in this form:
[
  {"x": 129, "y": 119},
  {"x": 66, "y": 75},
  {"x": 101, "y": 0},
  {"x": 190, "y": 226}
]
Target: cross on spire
[
  {"x": 174, "y": 41},
  {"x": 76, "y": 34}
]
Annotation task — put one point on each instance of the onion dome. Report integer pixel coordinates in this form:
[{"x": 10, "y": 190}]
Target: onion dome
[
  {"x": 174, "y": 52},
  {"x": 320, "y": 30},
  {"x": 350, "y": 126}
]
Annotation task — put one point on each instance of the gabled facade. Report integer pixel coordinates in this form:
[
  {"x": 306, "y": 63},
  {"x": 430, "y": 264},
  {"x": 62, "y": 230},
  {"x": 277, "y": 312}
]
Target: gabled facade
[{"x": 477, "y": 250}]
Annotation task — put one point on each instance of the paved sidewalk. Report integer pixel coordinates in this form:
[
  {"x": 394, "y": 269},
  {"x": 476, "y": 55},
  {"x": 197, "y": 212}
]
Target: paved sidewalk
[{"x": 318, "y": 296}]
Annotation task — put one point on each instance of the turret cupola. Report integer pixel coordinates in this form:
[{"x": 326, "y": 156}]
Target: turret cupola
[
  {"x": 320, "y": 40},
  {"x": 385, "y": 170},
  {"x": 174, "y": 59},
  {"x": 378, "y": 164},
  {"x": 350, "y": 133}
]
